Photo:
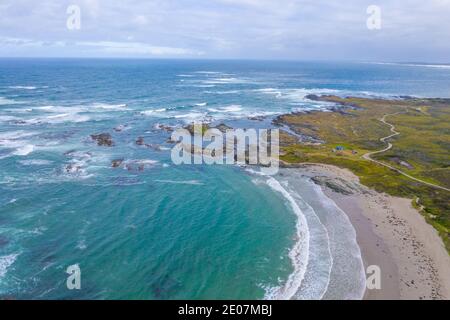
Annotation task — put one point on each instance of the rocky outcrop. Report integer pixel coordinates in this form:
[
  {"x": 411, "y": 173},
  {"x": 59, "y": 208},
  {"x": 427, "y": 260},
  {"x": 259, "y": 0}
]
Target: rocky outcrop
[
  {"x": 223, "y": 127},
  {"x": 140, "y": 141},
  {"x": 103, "y": 139},
  {"x": 312, "y": 97},
  {"x": 257, "y": 118},
  {"x": 73, "y": 168},
  {"x": 166, "y": 128},
  {"x": 116, "y": 163},
  {"x": 336, "y": 184}
]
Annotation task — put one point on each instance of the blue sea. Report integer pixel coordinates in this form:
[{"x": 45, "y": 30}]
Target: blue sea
[{"x": 149, "y": 229}]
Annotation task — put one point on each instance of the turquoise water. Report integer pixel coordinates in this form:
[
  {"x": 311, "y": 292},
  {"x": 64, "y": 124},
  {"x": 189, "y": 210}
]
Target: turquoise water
[{"x": 150, "y": 229}]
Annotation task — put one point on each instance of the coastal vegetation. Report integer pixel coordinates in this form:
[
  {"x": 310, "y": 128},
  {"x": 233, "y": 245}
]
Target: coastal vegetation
[{"x": 417, "y": 166}]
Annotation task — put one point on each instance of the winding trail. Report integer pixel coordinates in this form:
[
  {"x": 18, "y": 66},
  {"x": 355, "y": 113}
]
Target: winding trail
[{"x": 368, "y": 155}]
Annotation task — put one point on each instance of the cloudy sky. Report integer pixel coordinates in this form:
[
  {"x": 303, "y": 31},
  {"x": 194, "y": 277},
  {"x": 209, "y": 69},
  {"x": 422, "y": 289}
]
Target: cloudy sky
[{"x": 411, "y": 30}]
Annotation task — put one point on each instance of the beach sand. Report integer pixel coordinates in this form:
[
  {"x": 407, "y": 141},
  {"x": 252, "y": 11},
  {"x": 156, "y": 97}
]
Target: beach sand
[{"x": 392, "y": 235}]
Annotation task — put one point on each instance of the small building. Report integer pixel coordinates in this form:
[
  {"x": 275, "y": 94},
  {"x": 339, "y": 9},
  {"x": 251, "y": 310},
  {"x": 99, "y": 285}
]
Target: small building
[{"x": 339, "y": 148}]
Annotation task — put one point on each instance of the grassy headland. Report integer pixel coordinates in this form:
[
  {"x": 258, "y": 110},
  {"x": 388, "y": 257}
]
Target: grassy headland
[{"x": 421, "y": 150}]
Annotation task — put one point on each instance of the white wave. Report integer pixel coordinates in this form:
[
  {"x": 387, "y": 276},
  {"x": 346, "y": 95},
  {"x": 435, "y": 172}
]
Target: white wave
[
  {"x": 299, "y": 254},
  {"x": 190, "y": 182},
  {"x": 230, "y": 108},
  {"x": 8, "y": 118},
  {"x": 6, "y": 262},
  {"x": 23, "y": 87},
  {"x": 317, "y": 276},
  {"x": 25, "y": 150},
  {"x": 208, "y": 72},
  {"x": 77, "y": 168},
  {"x": 348, "y": 279},
  {"x": 254, "y": 172},
  {"x": 106, "y": 106},
  {"x": 223, "y": 92},
  {"x": 15, "y": 135},
  {"x": 193, "y": 116},
  {"x": 423, "y": 65},
  {"x": 296, "y": 95},
  {"x": 138, "y": 164},
  {"x": 264, "y": 113},
  {"x": 52, "y": 115},
  {"x": 271, "y": 91},
  {"x": 332, "y": 267},
  {"x": 224, "y": 81},
  {"x": 35, "y": 162},
  {"x": 94, "y": 107},
  {"x": 80, "y": 155},
  {"x": 58, "y": 119},
  {"x": 153, "y": 111},
  {"x": 15, "y": 140},
  {"x": 202, "y": 104},
  {"x": 18, "y": 110},
  {"x": 203, "y": 85},
  {"x": 84, "y": 164},
  {"x": 5, "y": 101},
  {"x": 142, "y": 161},
  {"x": 44, "y": 108}
]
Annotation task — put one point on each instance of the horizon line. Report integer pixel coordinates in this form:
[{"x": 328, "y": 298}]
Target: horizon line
[{"x": 228, "y": 59}]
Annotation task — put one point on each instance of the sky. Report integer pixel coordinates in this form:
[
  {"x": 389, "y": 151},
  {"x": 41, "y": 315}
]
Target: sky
[{"x": 409, "y": 30}]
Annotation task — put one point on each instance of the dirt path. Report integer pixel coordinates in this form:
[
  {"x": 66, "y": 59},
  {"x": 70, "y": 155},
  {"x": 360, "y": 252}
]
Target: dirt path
[{"x": 368, "y": 155}]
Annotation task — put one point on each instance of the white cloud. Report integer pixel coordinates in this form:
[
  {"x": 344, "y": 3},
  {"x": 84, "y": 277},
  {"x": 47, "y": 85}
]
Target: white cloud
[
  {"x": 300, "y": 29},
  {"x": 111, "y": 47},
  {"x": 137, "y": 48}
]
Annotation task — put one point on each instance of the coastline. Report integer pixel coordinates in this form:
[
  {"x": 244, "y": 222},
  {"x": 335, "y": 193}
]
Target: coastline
[{"x": 392, "y": 235}]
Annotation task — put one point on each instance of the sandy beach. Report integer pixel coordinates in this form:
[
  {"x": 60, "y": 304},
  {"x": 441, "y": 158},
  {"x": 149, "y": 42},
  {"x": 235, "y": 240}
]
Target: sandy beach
[{"x": 392, "y": 234}]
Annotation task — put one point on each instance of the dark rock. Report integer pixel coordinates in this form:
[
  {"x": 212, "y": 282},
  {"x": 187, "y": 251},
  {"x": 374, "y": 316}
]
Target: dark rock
[
  {"x": 257, "y": 118},
  {"x": 116, "y": 163},
  {"x": 312, "y": 97},
  {"x": 223, "y": 127},
  {"x": 140, "y": 141},
  {"x": 337, "y": 185},
  {"x": 103, "y": 139},
  {"x": 164, "y": 127},
  {"x": 70, "y": 152},
  {"x": 72, "y": 168}
]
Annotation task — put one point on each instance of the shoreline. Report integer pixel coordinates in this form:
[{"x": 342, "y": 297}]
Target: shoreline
[{"x": 391, "y": 234}]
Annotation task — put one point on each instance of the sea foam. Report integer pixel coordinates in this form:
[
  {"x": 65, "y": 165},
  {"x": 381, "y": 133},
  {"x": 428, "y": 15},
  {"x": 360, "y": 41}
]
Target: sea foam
[
  {"x": 299, "y": 254},
  {"x": 6, "y": 262}
]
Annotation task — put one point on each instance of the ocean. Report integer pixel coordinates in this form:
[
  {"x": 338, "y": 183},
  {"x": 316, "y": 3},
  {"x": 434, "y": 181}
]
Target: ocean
[{"x": 149, "y": 229}]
